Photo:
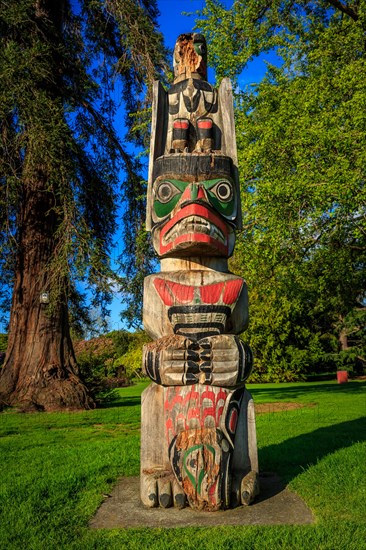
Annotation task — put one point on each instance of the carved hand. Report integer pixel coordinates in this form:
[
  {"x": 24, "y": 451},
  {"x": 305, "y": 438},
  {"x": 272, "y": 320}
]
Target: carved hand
[
  {"x": 172, "y": 361},
  {"x": 222, "y": 360},
  {"x": 225, "y": 361}
]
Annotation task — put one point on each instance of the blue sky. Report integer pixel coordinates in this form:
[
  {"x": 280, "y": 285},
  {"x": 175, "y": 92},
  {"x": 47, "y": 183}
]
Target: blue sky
[{"x": 172, "y": 23}]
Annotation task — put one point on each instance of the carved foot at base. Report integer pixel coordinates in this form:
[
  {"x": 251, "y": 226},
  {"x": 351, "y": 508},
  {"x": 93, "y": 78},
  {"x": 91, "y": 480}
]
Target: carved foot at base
[
  {"x": 249, "y": 488},
  {"x": 160, "y": 488},
  {"x": 244, "y": 489}
]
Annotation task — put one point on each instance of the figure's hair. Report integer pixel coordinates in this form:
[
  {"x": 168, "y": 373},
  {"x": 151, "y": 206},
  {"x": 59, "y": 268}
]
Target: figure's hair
[{"x": 200, "y": 166}]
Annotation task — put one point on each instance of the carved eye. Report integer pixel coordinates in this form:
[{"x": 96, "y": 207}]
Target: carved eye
[
  {"x": 166, "y": 191},
  {"x": 202, "y": 49},
  {"x": 223, "y": 191}
]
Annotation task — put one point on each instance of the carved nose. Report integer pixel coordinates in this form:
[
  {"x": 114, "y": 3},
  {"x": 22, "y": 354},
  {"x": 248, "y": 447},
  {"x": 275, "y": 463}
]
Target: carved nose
[{"x": 193, "y": 192}]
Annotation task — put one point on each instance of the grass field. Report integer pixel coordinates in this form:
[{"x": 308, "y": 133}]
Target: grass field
[{"x": 55, "y": 468}]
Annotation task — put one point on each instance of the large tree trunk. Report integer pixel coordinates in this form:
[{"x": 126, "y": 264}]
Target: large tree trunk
[{"x": 40, "y": 370}]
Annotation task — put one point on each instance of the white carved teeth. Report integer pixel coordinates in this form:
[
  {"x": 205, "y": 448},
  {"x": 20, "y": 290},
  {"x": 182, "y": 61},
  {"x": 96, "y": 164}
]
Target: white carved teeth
[{"x": 194, "y": 224}]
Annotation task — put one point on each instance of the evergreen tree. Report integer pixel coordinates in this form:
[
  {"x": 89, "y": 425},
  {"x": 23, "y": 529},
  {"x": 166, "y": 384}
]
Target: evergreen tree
[
  {"x": 302, "y": 152},
  {"x": 60, "y": 161}
]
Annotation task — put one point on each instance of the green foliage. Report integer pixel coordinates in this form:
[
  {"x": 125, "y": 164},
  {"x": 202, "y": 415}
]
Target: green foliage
[
  {"x": 94, "y": 358},
  {"x": 57, "y": 467},
  {"x": 128, "y": 347},
  {"x": 60, "y": 67},
  {"x": 110, "y": 361},
  {"x": 247, "y": 29},
  {"x": 301, "y": 136}
]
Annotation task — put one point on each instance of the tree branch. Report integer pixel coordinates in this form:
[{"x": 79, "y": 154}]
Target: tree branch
[
  {"x": 99, "y": 120},
  {"x": 344, "y": 9}
]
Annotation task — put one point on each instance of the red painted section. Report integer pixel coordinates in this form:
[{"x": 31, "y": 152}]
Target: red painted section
[
  {"x": 181, "y": 124},
  {"x": 187, "y": 193},
  {"x": 206, "y": 411},
  {"x": 180, "y": 409},
  {"x": 175, "y": 407},
  {"x": 169, "y": 427},
  {"x": 182, "y": 293},
  {"x": 232, "y": 291},
  {"x": 212, "y": 492},
  {"x": 171, "y": 292},
  {"x": 205, "y": 124},
  {"x": 233, "y": 420},
  {"x": 222, "y": 395},
  {"x": 194, "y": 412},
  {"x": 201, "y": 193},
  {"x": 173, "y": 399},
  {"x": 210, "y": 294},
  {"x": 195, "y": 210},
  {"x": 163, "y": 291}
]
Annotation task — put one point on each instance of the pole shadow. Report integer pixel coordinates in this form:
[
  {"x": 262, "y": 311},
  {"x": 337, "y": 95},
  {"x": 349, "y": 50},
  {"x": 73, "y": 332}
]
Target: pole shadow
[
  {"x": 296, "y": 391},
  {"x": 294, "y": 455}
]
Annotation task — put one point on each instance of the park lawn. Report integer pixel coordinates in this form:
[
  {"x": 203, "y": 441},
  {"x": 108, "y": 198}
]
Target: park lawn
[{"x": 56, "y": 467}]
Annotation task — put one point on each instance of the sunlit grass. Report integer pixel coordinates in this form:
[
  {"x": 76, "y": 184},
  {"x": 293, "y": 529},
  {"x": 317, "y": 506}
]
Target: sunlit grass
[{"x": 56, "y": 467}]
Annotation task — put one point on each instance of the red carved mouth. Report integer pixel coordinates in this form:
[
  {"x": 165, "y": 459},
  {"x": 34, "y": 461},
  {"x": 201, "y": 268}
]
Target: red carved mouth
[{"x": 194, "y": 224}]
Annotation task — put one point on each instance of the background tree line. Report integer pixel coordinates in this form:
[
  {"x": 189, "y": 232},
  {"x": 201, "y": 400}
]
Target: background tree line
[
  {"x": 301, "y": 136},
  {"x": 301, "y": 145}
]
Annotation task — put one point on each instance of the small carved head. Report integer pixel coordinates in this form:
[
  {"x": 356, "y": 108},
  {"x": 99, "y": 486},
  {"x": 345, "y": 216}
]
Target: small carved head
[{"x": 190, "y": 56}]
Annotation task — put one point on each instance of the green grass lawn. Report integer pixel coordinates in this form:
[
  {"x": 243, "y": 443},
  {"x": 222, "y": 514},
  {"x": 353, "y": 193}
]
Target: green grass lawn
[{"x": 55, "y": 468}]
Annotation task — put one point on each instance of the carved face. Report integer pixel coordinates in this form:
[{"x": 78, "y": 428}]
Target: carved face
[{"x": 194, "y": 211}]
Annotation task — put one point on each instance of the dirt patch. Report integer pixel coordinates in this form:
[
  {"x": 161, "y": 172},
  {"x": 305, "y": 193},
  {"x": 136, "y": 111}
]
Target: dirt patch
[{"x": 280, "y": 406}]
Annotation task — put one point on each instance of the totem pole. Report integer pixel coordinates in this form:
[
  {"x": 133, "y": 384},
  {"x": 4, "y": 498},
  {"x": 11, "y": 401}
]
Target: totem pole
[{"x": 198, "y": 438}]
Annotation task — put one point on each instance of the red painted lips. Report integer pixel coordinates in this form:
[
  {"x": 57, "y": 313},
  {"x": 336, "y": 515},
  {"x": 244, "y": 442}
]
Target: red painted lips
[{"x": 194, "y": 224}]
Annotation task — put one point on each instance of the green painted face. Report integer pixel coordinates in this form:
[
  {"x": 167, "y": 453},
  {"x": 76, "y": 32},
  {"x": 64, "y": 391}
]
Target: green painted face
[{"x": 219, "y": 193}]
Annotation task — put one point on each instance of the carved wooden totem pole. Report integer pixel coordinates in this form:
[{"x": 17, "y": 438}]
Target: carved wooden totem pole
[{"x": 198, "y": 440}]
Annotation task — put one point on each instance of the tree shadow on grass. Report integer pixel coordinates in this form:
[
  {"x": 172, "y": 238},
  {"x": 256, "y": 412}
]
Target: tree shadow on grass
[
  {"x": 292, "y": 456},
  {"x": 115, "y": 399},
  {"x": 119, "y": 401},
  {"x": 302, "y": 390}
]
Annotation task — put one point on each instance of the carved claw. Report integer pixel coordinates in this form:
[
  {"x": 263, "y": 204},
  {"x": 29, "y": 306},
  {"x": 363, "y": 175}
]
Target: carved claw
[
  {"x": 172, "y": 361},
  {"x": 160, "y": 488},
  {"x": 249, "y": 488}
]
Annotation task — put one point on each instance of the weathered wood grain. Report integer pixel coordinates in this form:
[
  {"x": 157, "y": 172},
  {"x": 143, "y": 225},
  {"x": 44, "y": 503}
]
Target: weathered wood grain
[
  {"x": 158, "y": 137},
  {"x": 198, "y": 437}
]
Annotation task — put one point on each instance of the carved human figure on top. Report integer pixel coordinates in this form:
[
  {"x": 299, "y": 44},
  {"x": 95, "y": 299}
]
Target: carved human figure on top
[{"x": 198, "y": 441}]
